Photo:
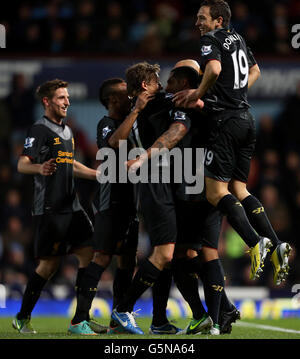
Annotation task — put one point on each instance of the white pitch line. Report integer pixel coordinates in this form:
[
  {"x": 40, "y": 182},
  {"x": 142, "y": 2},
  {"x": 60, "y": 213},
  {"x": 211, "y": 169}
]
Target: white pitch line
[{"x": 267, "y": 327}]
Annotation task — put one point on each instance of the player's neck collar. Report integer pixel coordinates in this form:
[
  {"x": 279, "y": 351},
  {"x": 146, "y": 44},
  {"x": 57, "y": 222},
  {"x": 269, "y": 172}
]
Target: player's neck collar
[{"x": 58, "y": 124}]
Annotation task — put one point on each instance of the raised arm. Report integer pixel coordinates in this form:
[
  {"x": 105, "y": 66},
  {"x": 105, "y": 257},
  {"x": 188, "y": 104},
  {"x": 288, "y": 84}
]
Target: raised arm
[
  {"x": 210, "y": 76},
  {"x": 167, "y": 140},
  {"x": 123, "y": 131}
]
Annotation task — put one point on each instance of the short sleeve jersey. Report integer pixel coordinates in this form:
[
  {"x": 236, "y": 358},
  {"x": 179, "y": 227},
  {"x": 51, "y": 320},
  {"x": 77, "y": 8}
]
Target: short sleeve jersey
[
  {"x": 113, "y": 192},
  {"x": 156, "y": 118},
  {"x": 230, "y": 90},
  {"x": 56, "y": 193}
]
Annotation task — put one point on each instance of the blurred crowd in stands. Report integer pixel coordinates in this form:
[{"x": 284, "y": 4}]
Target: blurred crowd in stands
[{"x": 152, "y": 28}]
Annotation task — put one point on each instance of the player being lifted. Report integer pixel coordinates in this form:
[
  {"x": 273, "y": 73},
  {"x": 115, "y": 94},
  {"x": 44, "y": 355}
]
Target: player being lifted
[{"x": 229, "y": 70}]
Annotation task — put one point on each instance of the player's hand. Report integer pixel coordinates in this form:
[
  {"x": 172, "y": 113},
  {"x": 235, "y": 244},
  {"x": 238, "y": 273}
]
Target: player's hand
[
  {"x": 143, "y": 98},
  {"x": 196, "y": 105},
  {"x": 48, "y": 167},
  {"x": 134, "y": 165},
  {"x": 185, "y": 97}
]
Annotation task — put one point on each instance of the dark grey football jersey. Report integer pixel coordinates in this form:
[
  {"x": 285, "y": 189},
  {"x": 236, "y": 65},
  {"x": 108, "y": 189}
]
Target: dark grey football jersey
[
  {"x": 56, "y": 193},
  {"x": 231, "y": 88}
]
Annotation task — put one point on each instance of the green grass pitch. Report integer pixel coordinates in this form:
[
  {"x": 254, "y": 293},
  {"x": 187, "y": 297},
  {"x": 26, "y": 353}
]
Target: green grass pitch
[{"x": 56, "y": 328}]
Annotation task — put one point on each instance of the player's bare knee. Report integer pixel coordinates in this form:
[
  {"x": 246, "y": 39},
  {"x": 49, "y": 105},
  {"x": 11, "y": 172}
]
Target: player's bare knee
[
  {"x": 191, "y": 253},
  {"x": 84, "y": 255},
  {"x": 239, "y": 189},
  {"x": 102, "y": 259},
  {"x": 48, "y": 267},
  {"x": 213, "y": 197},
  {"x": 209, "y": 253}
]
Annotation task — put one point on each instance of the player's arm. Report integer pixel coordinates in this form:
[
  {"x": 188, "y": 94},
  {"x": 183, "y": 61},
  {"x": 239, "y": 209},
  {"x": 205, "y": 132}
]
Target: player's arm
[
  {"x": 82, "y": 171},
  {"x": 212, "y": 71},
  {"x": 254, "y": 74},
  {"x": 166, "y": 141},
  {"x": 123, "y": 131},
  {"x": 26, "y": 166}
]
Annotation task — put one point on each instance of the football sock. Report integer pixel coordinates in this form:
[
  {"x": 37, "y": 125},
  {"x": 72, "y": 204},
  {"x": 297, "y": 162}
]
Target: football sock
[
  {"x": 31, "y": 295},
  {"x": 87, "y": 291},
  {"x": 259, "y": 219},
  {"x": 226, "y": 305},
  {"x": 144, "y": 278},
  {"x": 160, "y": 294},
  {"x": 213, "y": 284},
  {"x": 122, "y": 281},
  {"x": 187, "y": 283},
  {"x": 79, "y": 278},
  {"x": 237, "y": 218}
]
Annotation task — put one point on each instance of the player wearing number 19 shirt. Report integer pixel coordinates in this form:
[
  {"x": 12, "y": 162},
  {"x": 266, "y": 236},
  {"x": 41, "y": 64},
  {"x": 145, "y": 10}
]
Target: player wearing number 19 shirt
[{"x": 229, "y": 70}]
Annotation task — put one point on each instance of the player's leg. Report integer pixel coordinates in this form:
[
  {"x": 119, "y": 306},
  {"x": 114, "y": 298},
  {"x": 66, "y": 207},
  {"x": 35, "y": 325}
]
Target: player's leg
[
  {"x": 44, "y": 271},
  {"x": 212, "y": 276},
  {"x": 146, "y": 276},
  {"x": 187, "y": 282},
  {"x": 231, "y": 207},
  {"x": 91, "y": 270},
  {"x": 49, "y": 246},
  {"x": 254, "y": 210},
  {"x": 79, "y": 240},
  {"x": 218, "y": 195},
  {"x": 236, "y": 131},
  {"x": 260, "y": 221},
  {"x": 188, "y": 245},
  {"x": 126, "y": 263},
  {"x": 158, "y": 211},
  {"x": 160, "y": 292}
]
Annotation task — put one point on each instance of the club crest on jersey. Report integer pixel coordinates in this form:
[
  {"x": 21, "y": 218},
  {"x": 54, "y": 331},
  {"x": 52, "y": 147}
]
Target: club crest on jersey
[
  {"x": 179, "y": 115},
  {"x": 206, "y": 49},
  {"x": 105, "y": 131},
  {"x": 29, "y": 142}
]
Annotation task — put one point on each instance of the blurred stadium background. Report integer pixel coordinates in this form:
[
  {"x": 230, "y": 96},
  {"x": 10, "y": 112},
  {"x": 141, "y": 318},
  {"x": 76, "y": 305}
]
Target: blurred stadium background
[{"x": 87, "y": 41}]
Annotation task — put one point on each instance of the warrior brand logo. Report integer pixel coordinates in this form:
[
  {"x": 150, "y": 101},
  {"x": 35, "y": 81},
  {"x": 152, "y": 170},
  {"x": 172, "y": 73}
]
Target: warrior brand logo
[
  {"x": 2, "y": 37},
  {"x": 217, "y": 288},
  {"x": 57, "y": 141},
  {"x": 29, "y": 142},
  {"x": 258, "y": 210}
]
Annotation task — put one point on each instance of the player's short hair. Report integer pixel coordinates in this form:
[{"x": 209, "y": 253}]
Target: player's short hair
[
  {"x": 108, "y": 88},
  {"x": 136, "y": 74},
  {"x": 218, "y": 8},
  {"x": 48, "y": 88},
  {"x": 187, "y": 72}
]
